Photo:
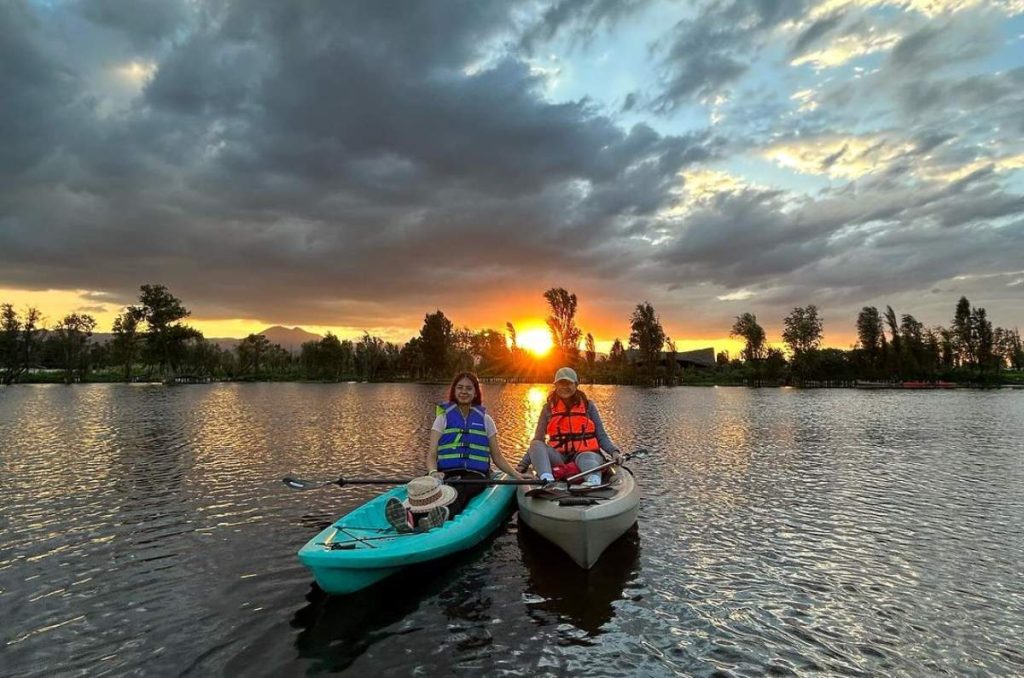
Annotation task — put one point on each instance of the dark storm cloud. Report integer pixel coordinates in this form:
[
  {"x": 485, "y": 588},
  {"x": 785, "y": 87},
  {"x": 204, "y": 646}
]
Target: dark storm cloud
[
  {"x": 353, "y": 164},
  {"x": 814, "y": 33},
  {"x": 144, "y": 22},
  {"x": 839, "y": 248},
  {"x": 943, "y": 45},
  {"x": 328, "y": 164},
  {"x": 703, "y": 54},
  {"x": 38, "y": 90},
  {"x": 580, "y": 18}
]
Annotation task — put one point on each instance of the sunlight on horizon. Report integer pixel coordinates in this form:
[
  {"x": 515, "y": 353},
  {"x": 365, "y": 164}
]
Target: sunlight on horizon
[{"x": 536, "y": 341}]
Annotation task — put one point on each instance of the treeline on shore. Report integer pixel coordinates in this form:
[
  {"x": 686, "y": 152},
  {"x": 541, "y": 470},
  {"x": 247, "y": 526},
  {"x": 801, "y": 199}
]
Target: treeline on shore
[
  {"x": 889, "y": 348},
  {"x": 151, "y": 342}
]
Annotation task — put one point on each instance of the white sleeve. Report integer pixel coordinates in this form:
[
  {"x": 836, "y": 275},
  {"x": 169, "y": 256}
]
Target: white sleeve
[
  {"x": 439, "y": 423},
  {"x": 491, "y": 429}
]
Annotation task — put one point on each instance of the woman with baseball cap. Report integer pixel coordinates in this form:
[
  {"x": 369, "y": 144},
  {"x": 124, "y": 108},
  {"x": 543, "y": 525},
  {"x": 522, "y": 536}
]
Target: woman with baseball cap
[{"x": 570, "y": 435}]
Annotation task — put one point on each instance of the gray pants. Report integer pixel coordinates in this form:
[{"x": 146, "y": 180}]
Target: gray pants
[{"x": 543, "y": 457}]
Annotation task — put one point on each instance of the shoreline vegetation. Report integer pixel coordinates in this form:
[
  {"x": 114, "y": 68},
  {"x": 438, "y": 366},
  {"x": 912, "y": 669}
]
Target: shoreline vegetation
[{"x": 150, "y": 343}]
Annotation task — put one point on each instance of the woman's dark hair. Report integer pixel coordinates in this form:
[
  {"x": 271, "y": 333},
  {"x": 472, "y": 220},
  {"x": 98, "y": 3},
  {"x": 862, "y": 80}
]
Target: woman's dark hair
[
  {"x": 577, "y": 397},
  {"x": 478, "y": 397}
]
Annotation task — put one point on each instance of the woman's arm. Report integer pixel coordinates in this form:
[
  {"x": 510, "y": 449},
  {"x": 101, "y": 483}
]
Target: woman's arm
[
  {"x": 435, "y": 438},
  {"x": 541, "y": 432},
  {"x": 602, "y": 435},
  {"x": 499, "y": 459}
]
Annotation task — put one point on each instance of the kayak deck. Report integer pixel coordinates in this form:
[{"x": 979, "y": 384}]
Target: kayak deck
[{"x": 361, "y": 547}]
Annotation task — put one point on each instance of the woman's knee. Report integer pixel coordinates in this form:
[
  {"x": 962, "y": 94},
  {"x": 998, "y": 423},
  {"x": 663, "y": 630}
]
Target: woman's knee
[
  {"x": 588, "y": 460},
  {"x": 538, "y": 447}
]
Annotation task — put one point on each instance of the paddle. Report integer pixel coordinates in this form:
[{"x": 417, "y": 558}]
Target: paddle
[
  {"x": 299, "y": 484},
  {"x": 622, "y": 459}
]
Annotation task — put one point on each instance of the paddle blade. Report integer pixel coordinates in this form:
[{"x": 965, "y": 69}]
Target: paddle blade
[{"x": 299, "y": 484}]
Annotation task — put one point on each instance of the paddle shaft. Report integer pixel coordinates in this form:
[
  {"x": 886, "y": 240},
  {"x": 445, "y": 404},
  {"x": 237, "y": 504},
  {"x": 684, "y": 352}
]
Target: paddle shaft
[
  {"x": 298, "y": 484},
  {"x": 447, "y": 481},
  {"x": 607, "y": 464}
]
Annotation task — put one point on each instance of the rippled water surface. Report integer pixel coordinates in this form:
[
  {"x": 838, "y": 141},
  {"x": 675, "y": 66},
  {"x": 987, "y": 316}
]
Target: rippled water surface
[{"x": 144, "y": 529}]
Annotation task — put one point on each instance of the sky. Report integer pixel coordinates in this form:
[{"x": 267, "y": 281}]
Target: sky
[{"x": 353, "y": 166}]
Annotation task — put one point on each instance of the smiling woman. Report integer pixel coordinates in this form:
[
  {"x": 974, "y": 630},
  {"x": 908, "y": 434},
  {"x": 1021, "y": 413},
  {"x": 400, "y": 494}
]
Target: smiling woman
[{"x": 536, "y": 341}]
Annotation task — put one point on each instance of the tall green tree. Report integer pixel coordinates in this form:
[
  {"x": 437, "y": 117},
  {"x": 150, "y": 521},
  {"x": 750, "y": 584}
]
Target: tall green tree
[
  {"x": 127, "y": 339},
  {"x": 19, "y": 342},
  {"x": 251, "y": 353},
  {"x": 73, "y": 333},
  {"x": 333, "y": 358},
  {"x": 562, "y": 322},
  {"x": 166, "y": 337},
  {"x": 370, "y": 356},
  {"x": 437, "y": 341},
  {"x": 512, "y": 337},
  {"x": 461, "y": 357},
  {"x": 647, "y": 336},
  {"x": 671, "y": 360},
  {"x": 774, "y": 365},
  {"x": 913, "y": 359},
  {"x": 410, "y": 358},
  {"x": 894, "y": 356},
  {"x": 590, "y": 354},
  {"x": 491, "y": 351},
  {"x": 1014, "y": 349},
  {"x": 617, "y": 354},
  {"x": 752, "y": 333},
  {"x": 871, "y": 336},
  {"x": 963, "y": 333},
  {"x": 802, "y": 332},
  {"x": 947, "y": 344},
  {"x": 983, "y": 340},
  {"x": 803, "y": 329}
]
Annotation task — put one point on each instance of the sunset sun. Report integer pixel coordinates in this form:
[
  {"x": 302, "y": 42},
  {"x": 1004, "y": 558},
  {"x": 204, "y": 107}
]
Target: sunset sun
[{"x": 536, "y": 341}]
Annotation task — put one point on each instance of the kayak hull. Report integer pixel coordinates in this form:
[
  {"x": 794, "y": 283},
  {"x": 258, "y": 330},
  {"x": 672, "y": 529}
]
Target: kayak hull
[
  {"x": 584, "y": 532},
  {"x": 341, "y": 580},
  {"x": 361, "y": 548}
]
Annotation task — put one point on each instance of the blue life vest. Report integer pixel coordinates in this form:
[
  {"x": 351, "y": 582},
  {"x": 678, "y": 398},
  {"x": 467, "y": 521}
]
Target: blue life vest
[{"x": 464, "y": 443}]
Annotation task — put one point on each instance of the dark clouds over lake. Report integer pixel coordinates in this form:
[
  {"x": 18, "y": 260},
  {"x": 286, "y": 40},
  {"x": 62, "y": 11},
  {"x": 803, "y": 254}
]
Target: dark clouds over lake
[{"x": 358, "y": 164}]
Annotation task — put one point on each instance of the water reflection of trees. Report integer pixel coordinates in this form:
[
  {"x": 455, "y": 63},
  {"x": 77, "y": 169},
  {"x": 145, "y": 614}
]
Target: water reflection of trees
[{"x": 583, "y": 598}]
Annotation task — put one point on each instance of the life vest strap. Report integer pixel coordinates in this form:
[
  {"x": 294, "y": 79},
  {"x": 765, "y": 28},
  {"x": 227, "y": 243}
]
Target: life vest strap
[
  {"x": 459, "y": 444},
  {"x": 474, "y": 457}
]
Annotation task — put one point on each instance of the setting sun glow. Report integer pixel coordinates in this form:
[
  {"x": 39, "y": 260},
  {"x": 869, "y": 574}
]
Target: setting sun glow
[{"x": 536, "y": 341}]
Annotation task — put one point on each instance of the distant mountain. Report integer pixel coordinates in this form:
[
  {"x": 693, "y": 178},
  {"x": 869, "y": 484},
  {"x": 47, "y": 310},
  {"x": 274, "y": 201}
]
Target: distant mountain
[{"x": 290, "y": 338}]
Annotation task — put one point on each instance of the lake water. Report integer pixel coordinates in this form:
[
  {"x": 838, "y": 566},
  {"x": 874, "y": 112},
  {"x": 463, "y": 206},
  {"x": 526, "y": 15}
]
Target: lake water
[{"x": 144, "y": 529}]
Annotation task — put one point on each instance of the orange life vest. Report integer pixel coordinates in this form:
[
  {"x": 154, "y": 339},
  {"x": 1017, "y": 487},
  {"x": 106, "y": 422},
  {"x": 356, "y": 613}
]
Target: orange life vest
[{"x": 570, "y": 430}]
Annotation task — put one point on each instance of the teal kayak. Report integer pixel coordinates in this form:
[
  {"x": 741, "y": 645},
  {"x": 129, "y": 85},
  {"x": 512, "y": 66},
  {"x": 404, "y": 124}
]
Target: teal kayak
[{"x": 361, "y": 548}]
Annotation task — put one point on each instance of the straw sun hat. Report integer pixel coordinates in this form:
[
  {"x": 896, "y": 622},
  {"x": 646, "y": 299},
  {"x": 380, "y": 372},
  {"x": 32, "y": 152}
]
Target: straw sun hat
[{"x": 427, "y": 492}]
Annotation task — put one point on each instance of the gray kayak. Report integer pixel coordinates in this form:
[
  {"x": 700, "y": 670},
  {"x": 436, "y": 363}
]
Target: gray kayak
[{"x": 583, "y": 523}]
